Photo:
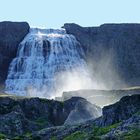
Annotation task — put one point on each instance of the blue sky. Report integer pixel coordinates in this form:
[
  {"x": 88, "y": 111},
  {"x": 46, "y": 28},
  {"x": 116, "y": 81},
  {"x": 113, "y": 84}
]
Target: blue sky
[{"x": 54, "y": 13}]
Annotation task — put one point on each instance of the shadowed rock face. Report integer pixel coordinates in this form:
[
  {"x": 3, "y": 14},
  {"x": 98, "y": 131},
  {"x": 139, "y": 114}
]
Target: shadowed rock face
[
  {"x": 82, "y": 111},
  {"x": 113, "y": 51},
  {"x": 19, "y": 115},
  {"x": 118, "y": 119},
  {"x": 121, "y": 110},
  {"x": 11, "y": 34}
]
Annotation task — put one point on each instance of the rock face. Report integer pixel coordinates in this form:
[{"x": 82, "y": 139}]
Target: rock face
[
  {"x": 77, "y": 116},
  {"x": 21, "y": 115},
  {"x": 113, "y": 51},
  {"x": 11, "y": 34},
  {"x": 128, "y": 125},
  {"x": 121, "y": 110},
  {"x": 26, "y": 117},
  {"x": 125, "y": 116},
  {"x": 15, "y": 123}
]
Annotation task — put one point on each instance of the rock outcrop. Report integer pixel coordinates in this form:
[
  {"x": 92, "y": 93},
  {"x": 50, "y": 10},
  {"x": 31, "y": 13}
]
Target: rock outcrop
[
  {"x": 125, "y": 124},
  {"x": 11, "y": 34},
  {"x": 121, "y": 110},
  {"x": 130, "y": 125},
  {"x": 113, "y": 51},
  {"x": 20, "y": 115},
  {"x": 119, "y": 121},
  {"x": 83, "y": 111}
]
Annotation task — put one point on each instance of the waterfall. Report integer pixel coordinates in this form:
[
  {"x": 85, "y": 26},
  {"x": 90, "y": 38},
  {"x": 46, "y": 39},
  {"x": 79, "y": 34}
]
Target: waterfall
[{"x": 48, "y": 61}]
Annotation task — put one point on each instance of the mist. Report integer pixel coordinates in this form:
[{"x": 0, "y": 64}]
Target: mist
[
  {"x": 99, "y": 74},
  {"x": 104, "y": 70},
  {"x": 71, "y": 80}
]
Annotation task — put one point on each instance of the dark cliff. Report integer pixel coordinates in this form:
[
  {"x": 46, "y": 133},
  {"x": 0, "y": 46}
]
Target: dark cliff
[
  {"x": 113, "y": 51},
  {"x": 11, "y": 34},
  {"x": 121, "y": 110}
]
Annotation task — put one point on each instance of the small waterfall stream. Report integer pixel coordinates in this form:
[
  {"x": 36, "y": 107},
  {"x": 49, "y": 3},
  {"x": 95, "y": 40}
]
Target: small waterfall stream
[{"x": 48, "y": 61}]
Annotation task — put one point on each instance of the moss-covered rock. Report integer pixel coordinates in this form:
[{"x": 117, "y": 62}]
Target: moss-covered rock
[
  {"x": 76, "y": 136},
  {"x": 2, "y": 136},
  {"x": 19, "y": 115}
]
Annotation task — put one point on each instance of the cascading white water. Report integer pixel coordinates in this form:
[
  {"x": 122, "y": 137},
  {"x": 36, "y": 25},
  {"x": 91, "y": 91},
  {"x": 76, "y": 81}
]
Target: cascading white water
[{"x": 48, "y": 61}]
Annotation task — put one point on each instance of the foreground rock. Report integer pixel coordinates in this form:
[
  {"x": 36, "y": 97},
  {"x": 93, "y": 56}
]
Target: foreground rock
[
  {"x": 11, "y": 34},
  {"x": 112, "y": 52},
  {"x": 20, "y": 115},
  {"x": 123, "y": 126},
  {"x": 120, "y": 111},
  {"x": 82, "y": 111},
  {"x": 119, "y": 121},
  {"x": 124, "y": 130},
  {"x": 130, "y": 125}
]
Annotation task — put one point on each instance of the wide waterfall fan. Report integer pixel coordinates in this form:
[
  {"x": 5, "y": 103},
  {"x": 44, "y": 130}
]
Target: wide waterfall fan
[{"x": 48, "y": 62}]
